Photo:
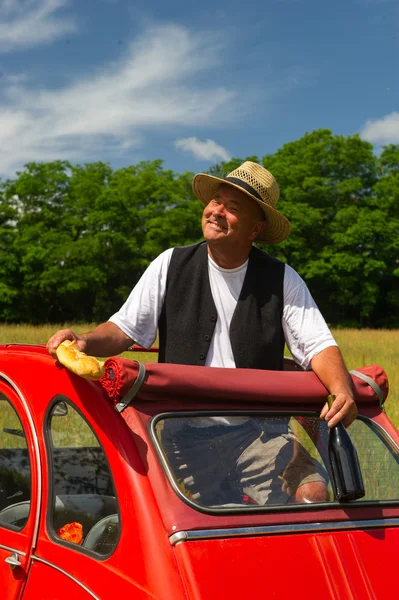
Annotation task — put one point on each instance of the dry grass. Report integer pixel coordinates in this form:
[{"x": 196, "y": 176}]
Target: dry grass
[
  {"x": 30, "y": 334},
  {"x": 359, "y": 347},
  {"x": 372, "y": 346}
]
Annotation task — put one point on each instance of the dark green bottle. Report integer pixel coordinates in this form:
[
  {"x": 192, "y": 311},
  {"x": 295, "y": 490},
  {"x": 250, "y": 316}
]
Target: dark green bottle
[{"x": 346, "y": 474}]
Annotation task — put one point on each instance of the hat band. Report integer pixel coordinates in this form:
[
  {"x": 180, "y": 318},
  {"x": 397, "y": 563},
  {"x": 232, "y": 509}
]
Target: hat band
[{"x": 245, "y": 186}]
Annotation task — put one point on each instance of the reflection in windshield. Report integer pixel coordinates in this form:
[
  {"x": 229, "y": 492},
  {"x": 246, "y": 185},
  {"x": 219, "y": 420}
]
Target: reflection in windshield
[
  {"x": 241, "y": 461},
  {"x": 234, "y": 461}
]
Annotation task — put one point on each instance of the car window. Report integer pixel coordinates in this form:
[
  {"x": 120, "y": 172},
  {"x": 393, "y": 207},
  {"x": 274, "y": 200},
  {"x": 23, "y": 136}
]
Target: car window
[
  {"x": 378, "y": 457},
  {"x": 15, "y": 469},
  {"x": 240, "y": 462},
  {"x": 84, "y": 504}
]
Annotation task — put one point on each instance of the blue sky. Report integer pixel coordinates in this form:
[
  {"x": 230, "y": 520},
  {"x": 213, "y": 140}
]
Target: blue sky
[{"x": 122, "y": 81}]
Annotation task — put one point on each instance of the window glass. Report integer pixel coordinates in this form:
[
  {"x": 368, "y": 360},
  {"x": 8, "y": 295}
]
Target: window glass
[
  {"x": 378, "y": 461},
  {"x": 84, "y": 508},
  {"x": 243, "y": 461},
  {"x": 15, "y": 470}
]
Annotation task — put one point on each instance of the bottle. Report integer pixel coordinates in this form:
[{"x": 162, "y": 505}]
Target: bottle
[{"x": 346, "y": 474}]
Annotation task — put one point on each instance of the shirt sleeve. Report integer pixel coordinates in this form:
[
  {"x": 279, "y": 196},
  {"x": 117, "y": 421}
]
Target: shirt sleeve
[
  {"x": 305, "y": 330},
  {"x": 138, "y": 317}
]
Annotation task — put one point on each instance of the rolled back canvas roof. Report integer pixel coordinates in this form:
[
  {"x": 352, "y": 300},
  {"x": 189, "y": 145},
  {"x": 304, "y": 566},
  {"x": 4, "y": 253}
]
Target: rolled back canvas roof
[{"x": 194, "y": 384}]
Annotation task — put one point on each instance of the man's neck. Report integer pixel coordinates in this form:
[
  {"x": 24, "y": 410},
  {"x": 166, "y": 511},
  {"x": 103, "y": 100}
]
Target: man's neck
[{"x": 228, "y": 258}]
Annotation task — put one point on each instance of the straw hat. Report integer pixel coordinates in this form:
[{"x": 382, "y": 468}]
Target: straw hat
[{"x": 257, "y": 183}]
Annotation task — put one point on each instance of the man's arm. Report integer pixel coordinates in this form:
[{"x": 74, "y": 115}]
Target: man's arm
[
  {"x": 105, "y": 340},
  {"x": 138, "y": 316},
  {"x": 330, "y": 368}
]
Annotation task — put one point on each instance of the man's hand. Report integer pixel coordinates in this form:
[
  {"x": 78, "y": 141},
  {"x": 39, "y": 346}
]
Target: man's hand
[
  {"x": 330, "y": 368},
  {"x": 294, "y": 477},
  {"x": 105, "y": 340},
  {"x": 343, "y": 409},
  {"x": 61, "y": 336}
]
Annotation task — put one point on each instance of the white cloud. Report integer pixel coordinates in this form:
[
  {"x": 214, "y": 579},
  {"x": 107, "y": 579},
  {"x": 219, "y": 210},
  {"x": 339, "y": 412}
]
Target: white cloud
[
  {"x": 14, "y": 78},
  {"x": 382, "y": 131},
  {"x": 155, "y": 85},
  {"x": 203, "y": 150},
  {"x": 28, "y": 23}
]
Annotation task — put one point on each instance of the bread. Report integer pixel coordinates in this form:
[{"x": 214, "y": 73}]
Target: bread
[{"x": 78, "y": 362}]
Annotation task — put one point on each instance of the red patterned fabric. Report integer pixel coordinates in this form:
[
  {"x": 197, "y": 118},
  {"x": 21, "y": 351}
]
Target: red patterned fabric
[
  {"x": 192, "y": 384},
  {"x": 119, "y": 376}
]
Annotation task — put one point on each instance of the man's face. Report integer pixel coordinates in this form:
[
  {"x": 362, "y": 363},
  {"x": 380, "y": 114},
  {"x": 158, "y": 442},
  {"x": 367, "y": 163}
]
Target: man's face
[{"x": 231, "y": 215}]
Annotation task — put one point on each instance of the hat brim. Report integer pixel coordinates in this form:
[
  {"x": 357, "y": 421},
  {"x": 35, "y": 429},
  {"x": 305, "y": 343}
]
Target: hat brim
[{"x": 277, "y": 226}]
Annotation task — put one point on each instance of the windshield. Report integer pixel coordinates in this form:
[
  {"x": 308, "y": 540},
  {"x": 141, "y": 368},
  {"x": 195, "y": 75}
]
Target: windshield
[{"x": 244, "y": 461}]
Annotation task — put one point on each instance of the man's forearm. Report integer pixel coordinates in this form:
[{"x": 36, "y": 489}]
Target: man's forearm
[
  {"x": 106, "y": 340},
  {"x": 330, "y": 368}
]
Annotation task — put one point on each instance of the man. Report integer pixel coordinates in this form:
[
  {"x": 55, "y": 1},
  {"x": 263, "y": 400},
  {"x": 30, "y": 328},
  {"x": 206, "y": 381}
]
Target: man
[{"x": 225, "y": 303}]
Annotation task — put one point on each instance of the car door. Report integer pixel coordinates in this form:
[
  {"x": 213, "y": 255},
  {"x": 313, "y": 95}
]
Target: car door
[
  {"x": 19, "y": 491},
  {"x": 82, "y": 526}
]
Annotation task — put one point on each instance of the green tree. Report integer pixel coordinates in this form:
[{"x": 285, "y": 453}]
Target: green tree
[
  {"x": 36, "y": 199},
  {"x": 326, "y": 183},
  {"x": 386, "y": 201},
  {"x": 9, "y": 265},
  {"x": 74, "y": 240}
]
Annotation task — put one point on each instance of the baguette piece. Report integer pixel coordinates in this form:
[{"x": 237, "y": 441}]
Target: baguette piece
[{"x": 78, "y": 362}]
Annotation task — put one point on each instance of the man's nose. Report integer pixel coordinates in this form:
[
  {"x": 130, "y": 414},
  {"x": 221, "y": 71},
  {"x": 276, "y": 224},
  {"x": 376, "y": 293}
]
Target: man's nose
[{"x": 219, "y": 211}]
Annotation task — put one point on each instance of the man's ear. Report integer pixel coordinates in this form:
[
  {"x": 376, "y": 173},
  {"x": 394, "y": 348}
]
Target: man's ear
[{"x": 257, "y": 229}]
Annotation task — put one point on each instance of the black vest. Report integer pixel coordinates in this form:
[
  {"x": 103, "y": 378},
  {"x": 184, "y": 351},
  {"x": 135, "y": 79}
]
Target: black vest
[{"x": 188, "y": 316}]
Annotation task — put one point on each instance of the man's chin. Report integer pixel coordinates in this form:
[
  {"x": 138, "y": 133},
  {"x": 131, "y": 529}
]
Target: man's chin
[{"x": 220, "y": 243}]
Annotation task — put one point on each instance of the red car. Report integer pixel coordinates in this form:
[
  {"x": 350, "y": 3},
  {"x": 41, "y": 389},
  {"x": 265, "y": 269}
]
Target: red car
[{"x": 97, "y": 501}]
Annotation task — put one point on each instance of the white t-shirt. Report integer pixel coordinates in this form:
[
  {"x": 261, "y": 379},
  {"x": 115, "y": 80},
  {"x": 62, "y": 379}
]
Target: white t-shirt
[{"x": 305, "y": 330}]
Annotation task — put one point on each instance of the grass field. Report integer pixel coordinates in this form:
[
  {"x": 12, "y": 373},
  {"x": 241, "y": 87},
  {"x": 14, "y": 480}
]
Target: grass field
[{"x": 359, "y": 347}]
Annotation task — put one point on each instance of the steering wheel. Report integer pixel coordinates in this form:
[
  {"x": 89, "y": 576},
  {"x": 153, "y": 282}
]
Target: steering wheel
[
  {"x": 15, "y": 514},
  {"x": 103, "y": 536}
]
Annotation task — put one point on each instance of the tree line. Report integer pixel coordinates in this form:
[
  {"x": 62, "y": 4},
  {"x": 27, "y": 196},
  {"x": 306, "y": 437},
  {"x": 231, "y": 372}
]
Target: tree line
[{"x": 74, "y": 239}]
